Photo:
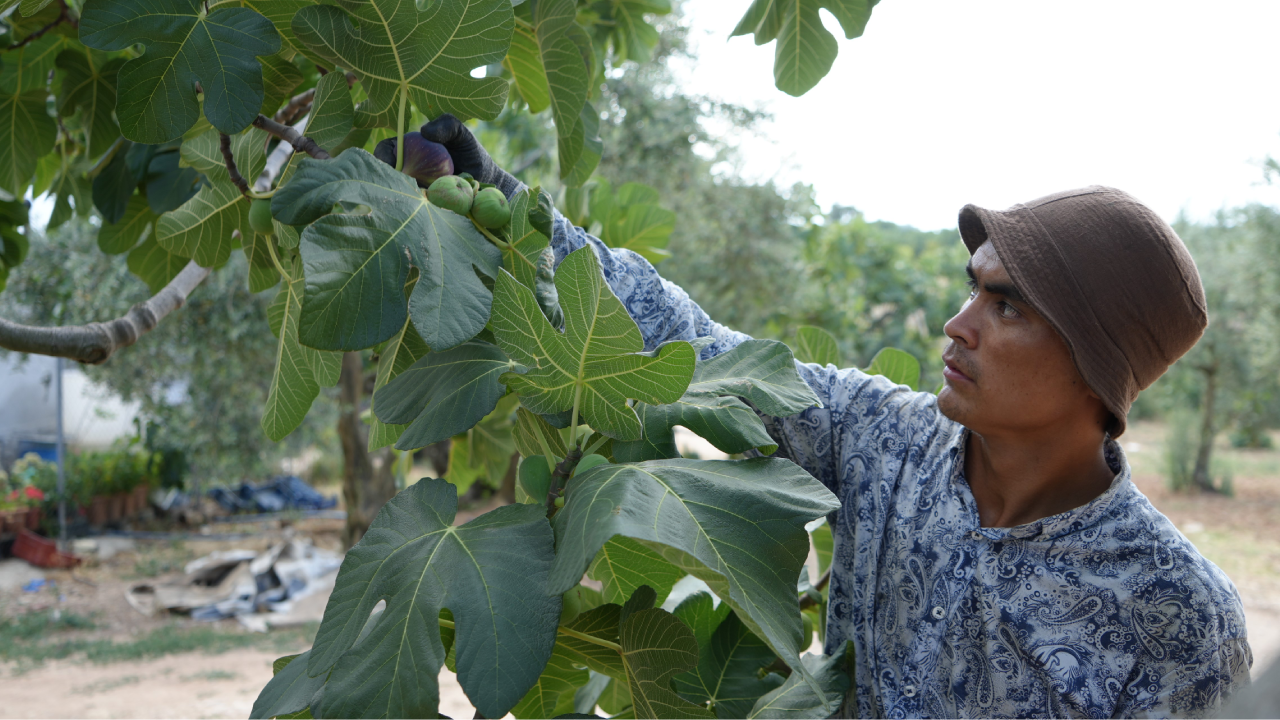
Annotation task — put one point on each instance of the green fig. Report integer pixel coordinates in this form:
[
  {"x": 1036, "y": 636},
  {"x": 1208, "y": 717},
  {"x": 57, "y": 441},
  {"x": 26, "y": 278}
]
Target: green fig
[
  {"x": 452, "y": 193},
  {"x": 260, "y": 217},
  {"x": 490, "y": 208}
]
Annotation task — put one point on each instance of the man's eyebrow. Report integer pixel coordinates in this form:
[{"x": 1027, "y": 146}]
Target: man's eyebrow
[{"x": 995, "y": 288}]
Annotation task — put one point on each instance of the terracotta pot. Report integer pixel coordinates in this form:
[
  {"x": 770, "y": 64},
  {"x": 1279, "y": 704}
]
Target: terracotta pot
[
  {"x": 34, "y": 516},
  {"x": 115, "y": 507},
  {"x": 140, "y": 494},
  {"x": 9, "y": 521},
  {"x": 130, "y": 504},
  {"x": 98, "y": 510}
]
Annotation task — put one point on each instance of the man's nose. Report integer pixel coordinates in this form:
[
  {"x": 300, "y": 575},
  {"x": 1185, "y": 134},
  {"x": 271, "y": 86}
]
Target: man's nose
[{"x": 961, "y": 327}]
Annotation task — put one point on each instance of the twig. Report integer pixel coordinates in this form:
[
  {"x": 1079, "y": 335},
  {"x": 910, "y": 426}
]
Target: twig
[
  {"x": 230, "y": 160},
  {"x": 63, "y": 17},
  {"x": 291, "y": 136},
  {"x": 95, "y": 342},
  {"x": 106, "y": 157},
  {"x": 562, "y": 472},
  {"x": 808, "y": 600},
  {"x": 288, "y": 113}
]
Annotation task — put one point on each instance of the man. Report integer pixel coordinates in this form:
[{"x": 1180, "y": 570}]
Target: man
[{"x": 992, "y": 555}]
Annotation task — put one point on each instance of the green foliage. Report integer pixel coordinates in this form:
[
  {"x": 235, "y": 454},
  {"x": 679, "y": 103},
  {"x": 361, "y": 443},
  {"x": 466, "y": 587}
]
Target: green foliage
[
  {"x": 596, "y": 365},
  {"x": 805, "y": 49},
  {"x": 149, "y": 111},
  {"x": 815, "y": 345},
  {"x": 420, "y": 563},
  {"x": 185, "y": 44},
  {"x": 900, "y": 367}
]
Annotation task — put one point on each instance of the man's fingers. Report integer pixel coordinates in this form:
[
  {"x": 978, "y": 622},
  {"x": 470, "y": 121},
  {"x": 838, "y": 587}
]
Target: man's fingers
[{"x": 445, "y": 130}]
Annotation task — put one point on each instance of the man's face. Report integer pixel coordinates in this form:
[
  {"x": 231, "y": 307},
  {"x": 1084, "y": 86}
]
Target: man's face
[{"x": 1007, "y": 370}]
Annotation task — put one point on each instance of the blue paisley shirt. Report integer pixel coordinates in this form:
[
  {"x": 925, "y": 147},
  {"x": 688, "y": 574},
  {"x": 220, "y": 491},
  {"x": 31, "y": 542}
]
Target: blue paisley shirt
[{"x": 1105, "y": 610}]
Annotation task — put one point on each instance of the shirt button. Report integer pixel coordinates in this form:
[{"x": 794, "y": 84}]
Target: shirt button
[
  {"x": 975, "y": 535},
  {"x": 939, "y": 613},
  {"x": 909, "y": 691}
]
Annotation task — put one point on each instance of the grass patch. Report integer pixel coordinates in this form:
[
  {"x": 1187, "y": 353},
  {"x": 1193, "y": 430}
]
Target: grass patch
[
  {"x": 105, "y": 685},
  {"x": 31, "y": 639},
  {"x": 209, "y": 675}
]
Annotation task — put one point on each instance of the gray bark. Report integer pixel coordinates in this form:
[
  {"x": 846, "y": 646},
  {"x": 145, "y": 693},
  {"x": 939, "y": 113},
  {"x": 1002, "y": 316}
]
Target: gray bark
[{"x": 94, "y": 343}]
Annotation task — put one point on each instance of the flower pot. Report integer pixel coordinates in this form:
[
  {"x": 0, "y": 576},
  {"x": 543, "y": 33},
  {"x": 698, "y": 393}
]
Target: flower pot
[
  {"x": 140, "y": 495},
  {"x": 98, "y": 510},
  {"x": 34, "y": 516},
  {"x": 130, "y": 504},
  {"x": 115, "y": 507}
]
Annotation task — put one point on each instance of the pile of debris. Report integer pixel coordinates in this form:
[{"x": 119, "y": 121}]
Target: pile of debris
[
  {"x": 285, "y": 492},
  {"x": 287, "y": 584}
]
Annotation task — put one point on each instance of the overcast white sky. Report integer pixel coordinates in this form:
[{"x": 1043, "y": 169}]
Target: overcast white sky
[{"x": 943, "y": 103}]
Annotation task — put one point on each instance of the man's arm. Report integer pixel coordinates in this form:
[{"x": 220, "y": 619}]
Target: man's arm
[
  {"x": 664, "y": 312},
  {"x": 1187, "y": 687}
]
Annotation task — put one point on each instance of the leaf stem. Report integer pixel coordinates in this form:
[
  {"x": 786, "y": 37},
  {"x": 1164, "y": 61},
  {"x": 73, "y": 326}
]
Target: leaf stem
[
  {"x": 404, "y": 100},
  {"x": 503, "y": 244},
  {"x": 106, "y": 158},
  {"x": 563, "y": 631},
  {"x": 275, "y": 260},
  {"x": 589, "y": 638},
  {"x": 596, "y": 445}
]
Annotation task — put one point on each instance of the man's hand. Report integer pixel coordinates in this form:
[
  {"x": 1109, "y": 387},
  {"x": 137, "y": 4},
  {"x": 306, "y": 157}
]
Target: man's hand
[{"x": 467, "y": 153}]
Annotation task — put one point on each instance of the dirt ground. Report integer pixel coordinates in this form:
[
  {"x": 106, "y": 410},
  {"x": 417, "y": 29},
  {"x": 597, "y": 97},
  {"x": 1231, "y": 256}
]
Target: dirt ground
[{"x": 1241, "y": 534}]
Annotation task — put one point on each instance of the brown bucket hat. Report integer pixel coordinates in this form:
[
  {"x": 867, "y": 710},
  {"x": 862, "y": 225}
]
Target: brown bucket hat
[{"x": 1109, "y": 275}]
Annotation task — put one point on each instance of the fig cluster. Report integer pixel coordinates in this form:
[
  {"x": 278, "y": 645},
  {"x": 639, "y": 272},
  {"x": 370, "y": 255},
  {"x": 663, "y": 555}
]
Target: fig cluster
[
  {"x": 430, "y": 165},
  {"x": 463, "y": 195}
]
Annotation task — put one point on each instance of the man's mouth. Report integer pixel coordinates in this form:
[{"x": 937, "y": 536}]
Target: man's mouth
[{"x": 952, "y": 372}]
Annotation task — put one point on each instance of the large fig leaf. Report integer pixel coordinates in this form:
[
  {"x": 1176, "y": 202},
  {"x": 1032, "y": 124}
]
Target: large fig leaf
[
  {"x": 524, "y": 60},
  {"x": 279, "y": 79},
  {"x": 356, "y": 265},
  {"x": 443, "y": 394},
  {"x": 156, "y": 100},
  {"x": 300, "y": 371},
  {"x": 596, "y": 363},
  {"x": 491, "y": 573},
  {"x": 805, "y": 48},
  {"x": 725, "y": 422},
  {"x": 89, "y": 85},
  {"x": 29, "y": 132},
  {"x": 333, "y": 114},
  {"x": 402, "y": 351},
  {"x": 816, "y": 345},
  {"x": 692, "y": 513},
  {"x": 202, "y": 227},
  {"x": 567, "y": 74},
  {"x": 796, "y": 698},
  {"x": 527, "y": 431},
  {"x": 729, "y": 672},
  {"x": 762, "y": 372},
  {"x": 656, "y": 647},
  {"x": 403, "y": 55},
  {"x": 600, "y": 623},
  {"x": 759, "y": 370},
  {"x": 289, "y": 690},
  {"x": 632, "y": 37}
]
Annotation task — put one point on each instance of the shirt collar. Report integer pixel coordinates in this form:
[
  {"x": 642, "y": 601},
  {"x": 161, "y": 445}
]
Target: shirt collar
[{"x": 1054, "y": 526}]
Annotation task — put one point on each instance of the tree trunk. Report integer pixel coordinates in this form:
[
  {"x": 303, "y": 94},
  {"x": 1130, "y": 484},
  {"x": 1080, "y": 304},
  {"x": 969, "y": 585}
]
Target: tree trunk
[
  {"x": 1200, "y": 477},
  {"x": 367, "y": 480}
]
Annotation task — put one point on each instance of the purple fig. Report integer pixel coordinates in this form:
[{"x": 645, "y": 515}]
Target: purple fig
[
  {"x": 424, "y": 161},
  {"x": 452, "y": 193}
]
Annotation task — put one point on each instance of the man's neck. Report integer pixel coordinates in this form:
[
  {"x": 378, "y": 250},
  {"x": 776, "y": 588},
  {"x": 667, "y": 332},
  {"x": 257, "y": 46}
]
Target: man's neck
[{"x": 1020, "y": 480}]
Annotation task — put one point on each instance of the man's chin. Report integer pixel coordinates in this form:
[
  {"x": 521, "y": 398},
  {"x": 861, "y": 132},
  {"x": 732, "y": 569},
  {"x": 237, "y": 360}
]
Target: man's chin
[{"x": 951, "y": 405}]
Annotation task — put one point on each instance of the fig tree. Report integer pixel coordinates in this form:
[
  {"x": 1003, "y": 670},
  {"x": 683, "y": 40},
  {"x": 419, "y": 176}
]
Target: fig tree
[
  {"x": 424, "y": 161},
  {"x": 490, "y": 208},
  {"x": 452, "y": 193},
  {"x": 260, "y": 217}
]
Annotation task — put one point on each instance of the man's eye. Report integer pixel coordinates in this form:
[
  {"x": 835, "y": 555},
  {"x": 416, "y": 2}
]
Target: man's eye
[
  {"x": 973, "y": 294},
  {"x": 1006, "y": 310}
]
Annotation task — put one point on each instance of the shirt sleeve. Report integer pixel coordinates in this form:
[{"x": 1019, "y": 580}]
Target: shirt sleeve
[
  {"x": 1177, "y": 688},
  {"x": 665, "y": 312}
]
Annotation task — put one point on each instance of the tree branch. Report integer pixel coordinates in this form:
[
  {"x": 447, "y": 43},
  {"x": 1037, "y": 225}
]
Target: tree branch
[
  {"x": 291, "y": 136},
  {"x": 95, "y": 342},
  {"x": 232, "y": 170},
  {"x": 297, "y": 105},
  {"x": 39, "y": 33}
]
